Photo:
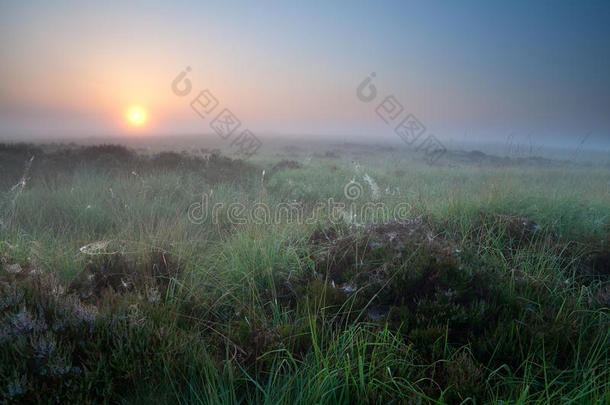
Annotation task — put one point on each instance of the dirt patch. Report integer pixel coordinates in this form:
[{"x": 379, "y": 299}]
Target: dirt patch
[
  {"x": 590, "y": 257},
  {"x": 343, "y": 250},
  {"x": 595, "y": 266},
  {"x": 513, "y": 230},
  {"x": 119, "y": 273},
  {"x": 409, "y": 276}
]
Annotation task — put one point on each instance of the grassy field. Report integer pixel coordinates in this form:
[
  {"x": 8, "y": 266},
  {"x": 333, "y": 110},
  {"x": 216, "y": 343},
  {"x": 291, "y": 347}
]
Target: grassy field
[{"x": 493, "y": 286}]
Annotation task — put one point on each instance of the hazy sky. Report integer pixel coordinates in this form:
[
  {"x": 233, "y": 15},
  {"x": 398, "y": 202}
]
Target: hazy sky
[{"x": 481, "y": 69}]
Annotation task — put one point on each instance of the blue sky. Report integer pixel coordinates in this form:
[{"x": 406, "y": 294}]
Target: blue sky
[{"x": 475, "y": 68}]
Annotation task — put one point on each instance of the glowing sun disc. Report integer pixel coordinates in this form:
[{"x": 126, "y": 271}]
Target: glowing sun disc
[{"x": 136, "y": 116}]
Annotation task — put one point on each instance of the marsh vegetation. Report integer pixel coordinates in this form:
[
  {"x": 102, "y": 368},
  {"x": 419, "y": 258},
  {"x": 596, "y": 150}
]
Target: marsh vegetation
[{"x": 496, "y": 290}]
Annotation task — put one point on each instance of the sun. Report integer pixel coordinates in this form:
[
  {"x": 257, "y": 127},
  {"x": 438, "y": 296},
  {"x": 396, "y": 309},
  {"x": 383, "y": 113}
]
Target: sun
[{"x": 136, "y": 116}]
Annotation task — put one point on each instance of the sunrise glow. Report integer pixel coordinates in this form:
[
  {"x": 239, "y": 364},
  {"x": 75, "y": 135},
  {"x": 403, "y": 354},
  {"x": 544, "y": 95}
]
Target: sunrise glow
[{"x": 136, "y": 116}]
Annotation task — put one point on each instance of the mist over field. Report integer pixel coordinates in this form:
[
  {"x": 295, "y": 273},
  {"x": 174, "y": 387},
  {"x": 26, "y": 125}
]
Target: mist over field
[{"x": 277, "y": 203}]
